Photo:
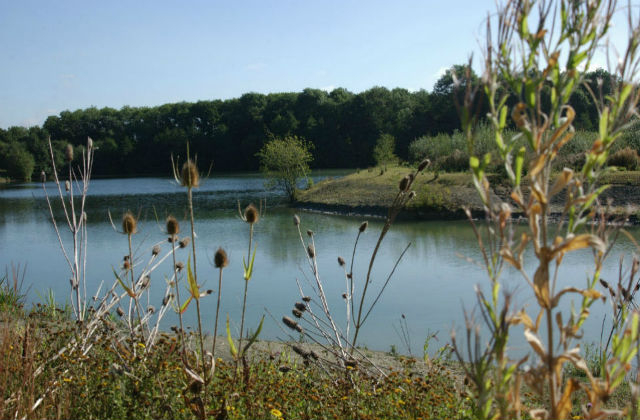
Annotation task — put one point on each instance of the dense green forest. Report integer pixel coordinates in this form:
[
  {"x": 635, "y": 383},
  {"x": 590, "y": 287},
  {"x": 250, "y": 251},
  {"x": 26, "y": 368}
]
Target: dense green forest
[{"x": 343, "y": 127}]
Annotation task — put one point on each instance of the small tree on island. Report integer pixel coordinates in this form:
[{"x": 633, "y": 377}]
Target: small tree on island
[
  {"x": 383, "y": 152},
  {"x": 284, "y": 161}
]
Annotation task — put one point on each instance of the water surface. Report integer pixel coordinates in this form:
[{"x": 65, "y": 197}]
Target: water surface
[{"x": 430, "y": 286}]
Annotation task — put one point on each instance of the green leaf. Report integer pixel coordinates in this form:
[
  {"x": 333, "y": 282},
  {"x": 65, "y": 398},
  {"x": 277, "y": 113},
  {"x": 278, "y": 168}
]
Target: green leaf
[
  {"x": 626, "y": 91},
  {"x": 253, "y": 337},
  {"x": 603, "y": 126},
  {"x": 193, "y": 286},
  {"x": 519, "y": 163},
  {"x": 232, "y": 347},
  {"x": 474, "y": 162},
  {"x": 248, "y": 271},
  {"x": 184, "y": 306},
  {"x": 503, "y": 117},
  {"x": 124, "y": 286}
]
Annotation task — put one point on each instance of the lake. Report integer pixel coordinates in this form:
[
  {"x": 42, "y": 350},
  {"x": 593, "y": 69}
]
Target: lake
[{"x": 430, "y": 286}]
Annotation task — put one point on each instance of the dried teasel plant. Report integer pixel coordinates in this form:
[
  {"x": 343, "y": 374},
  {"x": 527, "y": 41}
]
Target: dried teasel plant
[
  {"x": 533, "y": 48},
  {"x": 93, "y": 314},
  {"x": 75, "y": 253},
  {"x": 189, "y": 177},
  {"x": 321, "y": 327}
]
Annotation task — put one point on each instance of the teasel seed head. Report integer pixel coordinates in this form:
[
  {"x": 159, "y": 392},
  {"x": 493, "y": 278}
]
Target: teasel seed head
[
  {"x": 291, "y": 324},
  {"x": 184, "y": 242},
  {"x": 311, "y": 251},
  {"x": 129, "y": 223},
  {"x": 309, "y": 232},
  {"x": 425, "y": 162},
  {"x": 68, "y": 153},
  {"x": 155, "y": 250},
  {"x": 306, "y": 299},
  {"x": 363, "y": 226},
  {"x": 126, "y": 265},
  {"x": 404, "y": 183},
  {"x": 165, "y": 300},
  {"x": 625, "y": 294},
  {"x": 300, "y": 351},
  {"x": 151, "y": 309},
  {"x": 119, "y": 311},
  {"x": 220, "y": 258},
  {"x": 179, "y": 265},
  {"x": 284, "y": 368},
  {"x": 341, "y": 261},
  {"x": 604, "y": 283},
  {"x": 412, "y": 195},
  {"x": 296, "y": 220},
  {"x": 145, "y": 282},
  {"x": 173, "y": 227},
  {"x": 296, "y": 313},
  {"x": 67, "y": 186},
  {"x": 300, "y": 306},
  {"x": 195, "y": 387},
  {"x": 189, "y": 176},
  {"x": 251, "y": 214}
]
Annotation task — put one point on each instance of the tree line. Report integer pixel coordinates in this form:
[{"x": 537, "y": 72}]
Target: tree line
[{"x": 342, "y": 126}]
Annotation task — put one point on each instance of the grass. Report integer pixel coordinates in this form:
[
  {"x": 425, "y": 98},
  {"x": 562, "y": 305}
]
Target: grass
[{"x": 372, "y": 189}]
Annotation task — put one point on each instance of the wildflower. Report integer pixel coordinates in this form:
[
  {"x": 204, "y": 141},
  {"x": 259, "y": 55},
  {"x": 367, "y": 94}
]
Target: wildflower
[{"x": 276, "y": 413}]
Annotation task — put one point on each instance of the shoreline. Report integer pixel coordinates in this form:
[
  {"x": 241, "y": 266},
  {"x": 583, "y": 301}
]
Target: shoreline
[{"x": 365, "y": 194}]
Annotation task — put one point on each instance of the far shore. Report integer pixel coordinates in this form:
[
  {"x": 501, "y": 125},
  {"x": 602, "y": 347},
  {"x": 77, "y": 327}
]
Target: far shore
[{"x": 369, "y": 193}]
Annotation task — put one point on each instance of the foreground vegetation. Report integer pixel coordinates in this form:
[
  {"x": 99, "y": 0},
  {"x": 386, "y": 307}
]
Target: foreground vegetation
[{"x": 111, "y": 384}]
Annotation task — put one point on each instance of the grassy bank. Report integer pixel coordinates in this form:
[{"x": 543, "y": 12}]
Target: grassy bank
[
  {"x": 372, "y": 191},
  {"x": 439, "y": 197}
]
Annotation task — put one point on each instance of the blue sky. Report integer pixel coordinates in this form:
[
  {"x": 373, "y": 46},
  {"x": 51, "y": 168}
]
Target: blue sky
[{"x": 59, "y": 55}]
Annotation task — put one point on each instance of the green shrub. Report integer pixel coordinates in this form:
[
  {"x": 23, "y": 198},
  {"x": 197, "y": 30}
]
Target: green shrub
[{"x": 625, "y": 158}]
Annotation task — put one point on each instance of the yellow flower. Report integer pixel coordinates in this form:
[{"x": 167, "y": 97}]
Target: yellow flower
[{"x": 276, "y": 413}]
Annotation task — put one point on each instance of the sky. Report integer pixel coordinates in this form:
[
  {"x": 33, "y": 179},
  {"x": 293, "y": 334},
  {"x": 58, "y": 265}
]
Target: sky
[{"x": 68, "y": 54}]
